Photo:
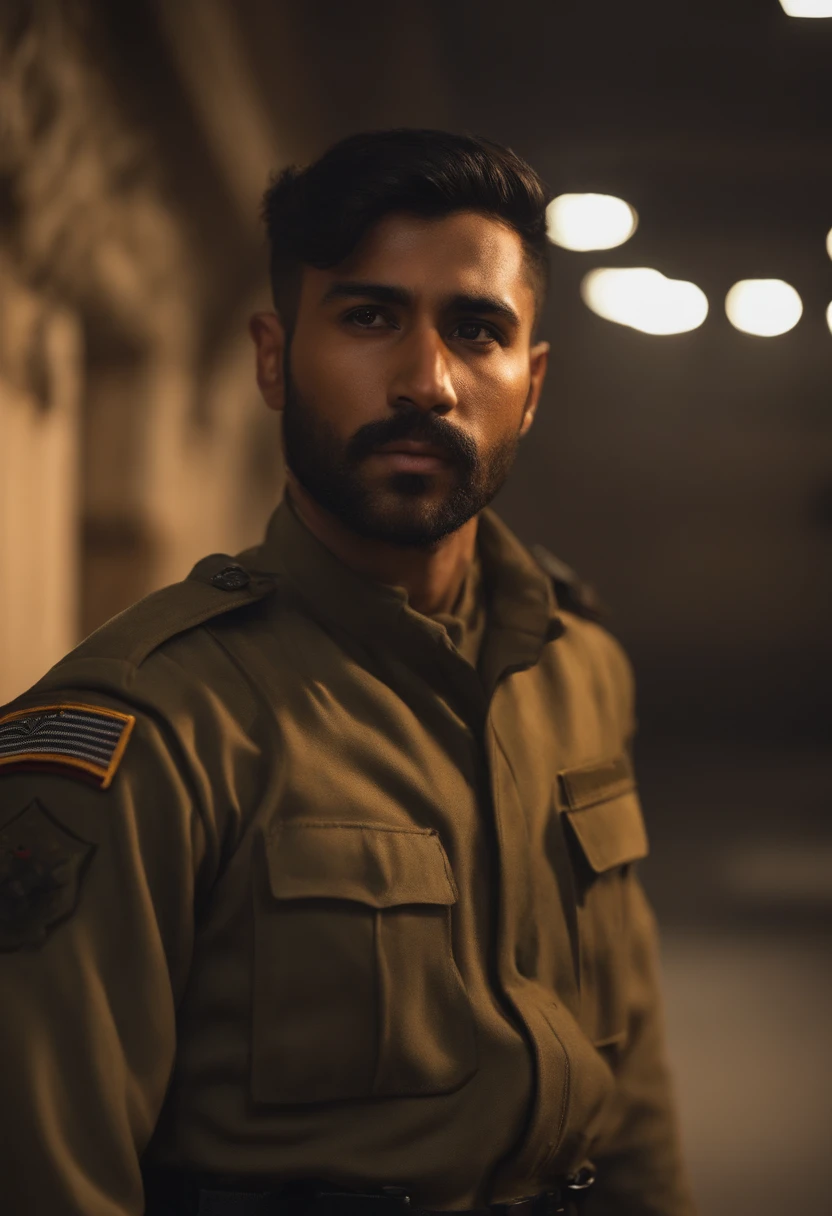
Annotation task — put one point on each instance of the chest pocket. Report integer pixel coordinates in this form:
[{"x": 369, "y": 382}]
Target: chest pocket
[
  {"x": 356, "y": 992},
  {"x": 607, "y": 834}
]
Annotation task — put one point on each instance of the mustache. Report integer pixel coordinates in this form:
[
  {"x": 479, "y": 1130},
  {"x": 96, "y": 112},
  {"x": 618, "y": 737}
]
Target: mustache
[{"x": 418, "y": 426}]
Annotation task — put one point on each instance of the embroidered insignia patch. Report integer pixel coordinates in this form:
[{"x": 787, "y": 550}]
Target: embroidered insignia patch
[
  {"x": 42, "y": 864},
  {"x": 88, "y": 738}
]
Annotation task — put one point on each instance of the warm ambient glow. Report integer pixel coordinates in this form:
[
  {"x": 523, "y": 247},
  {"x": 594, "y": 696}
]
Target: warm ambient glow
[
  {"x": 644, "y": 299},
  {"x": 766, "y": 307},
  {"x": 829, "y": 242},
  {"x": 590, "y": 221},
  {"x": 807, "y": 8},
  {"x": 829, "y": 318}
]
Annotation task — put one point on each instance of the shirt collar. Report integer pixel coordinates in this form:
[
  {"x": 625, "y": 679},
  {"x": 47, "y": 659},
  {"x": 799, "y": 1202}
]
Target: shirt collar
[
  {"x": 522, "y": 611},
  {"x": 332, "y": 589}
]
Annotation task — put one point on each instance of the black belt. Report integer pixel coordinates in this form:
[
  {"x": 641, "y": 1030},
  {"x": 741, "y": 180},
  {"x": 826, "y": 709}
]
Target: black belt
[{"x": 170, "y": 1193}]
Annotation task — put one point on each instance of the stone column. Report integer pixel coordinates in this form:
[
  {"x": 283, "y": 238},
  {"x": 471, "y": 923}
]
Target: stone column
[{"x": 40, "y": 388}]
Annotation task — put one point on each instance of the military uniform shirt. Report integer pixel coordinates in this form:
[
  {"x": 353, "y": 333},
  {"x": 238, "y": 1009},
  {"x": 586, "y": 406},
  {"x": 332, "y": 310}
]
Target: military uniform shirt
[{"x": 300, "y": 892}]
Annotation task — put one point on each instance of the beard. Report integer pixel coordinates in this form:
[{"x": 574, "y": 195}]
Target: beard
[{"x": 406, "y": 509}]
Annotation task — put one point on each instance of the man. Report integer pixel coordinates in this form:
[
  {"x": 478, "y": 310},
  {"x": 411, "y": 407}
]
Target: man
[{"x": 316, "y": 888}]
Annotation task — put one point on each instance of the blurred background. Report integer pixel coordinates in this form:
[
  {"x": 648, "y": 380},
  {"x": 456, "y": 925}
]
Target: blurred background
[{"x": 686, "y": 475}]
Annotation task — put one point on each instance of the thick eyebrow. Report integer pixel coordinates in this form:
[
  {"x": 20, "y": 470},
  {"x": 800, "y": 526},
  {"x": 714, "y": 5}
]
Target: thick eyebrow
[
  {"x": 492, "y": 304},
  {"x": 384, "y": 293}
]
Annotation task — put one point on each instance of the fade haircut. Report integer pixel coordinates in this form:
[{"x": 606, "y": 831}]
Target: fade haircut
[{"x": 317, "y": 216}]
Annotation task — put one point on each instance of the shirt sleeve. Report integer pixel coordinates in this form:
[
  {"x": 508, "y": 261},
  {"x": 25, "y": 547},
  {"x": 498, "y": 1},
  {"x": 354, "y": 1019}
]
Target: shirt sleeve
[
  {"x": 639, "y": 1162},
  {"x": 97, "y": 892}
]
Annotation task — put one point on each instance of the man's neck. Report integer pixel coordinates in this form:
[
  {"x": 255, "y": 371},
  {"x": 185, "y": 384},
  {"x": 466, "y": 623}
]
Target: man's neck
[{"x": 432, "y": 577}]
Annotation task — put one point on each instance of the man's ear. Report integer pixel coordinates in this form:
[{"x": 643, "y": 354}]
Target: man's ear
[
  {"x": 538, "y": 362},
  {"x": 269, "y": 338}
]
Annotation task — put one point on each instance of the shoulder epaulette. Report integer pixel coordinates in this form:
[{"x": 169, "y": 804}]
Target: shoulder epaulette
[
  {"x": 571, "y": 592},
  {"x": 217, "y": 584}
]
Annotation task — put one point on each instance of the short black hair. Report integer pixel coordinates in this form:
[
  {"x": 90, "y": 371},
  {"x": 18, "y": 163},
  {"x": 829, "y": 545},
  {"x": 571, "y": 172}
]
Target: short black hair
[{"x": 318, "y": 215}]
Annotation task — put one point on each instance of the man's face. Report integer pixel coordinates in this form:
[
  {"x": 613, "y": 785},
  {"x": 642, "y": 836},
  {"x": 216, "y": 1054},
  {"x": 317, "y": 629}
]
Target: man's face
[{"x": 410, "y": 378}]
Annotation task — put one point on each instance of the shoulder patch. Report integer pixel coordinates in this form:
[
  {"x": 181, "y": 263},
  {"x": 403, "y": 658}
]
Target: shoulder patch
[
  {"x": 73, "y": 738},
  {"x": 42, "y": 865}
]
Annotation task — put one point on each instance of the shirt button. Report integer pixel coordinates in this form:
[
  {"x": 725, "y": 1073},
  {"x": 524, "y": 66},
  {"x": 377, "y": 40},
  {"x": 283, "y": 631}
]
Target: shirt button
[{"x": 231, "y": 578}]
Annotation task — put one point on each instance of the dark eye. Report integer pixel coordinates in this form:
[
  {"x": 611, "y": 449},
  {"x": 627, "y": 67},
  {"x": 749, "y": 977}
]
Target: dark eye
[
  {"x": 476, "y": 331},
  {"x": 365, "y": 318}
]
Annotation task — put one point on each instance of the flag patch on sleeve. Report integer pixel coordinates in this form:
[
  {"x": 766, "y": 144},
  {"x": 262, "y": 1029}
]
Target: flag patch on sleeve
[{"x": 86, "y": 739}]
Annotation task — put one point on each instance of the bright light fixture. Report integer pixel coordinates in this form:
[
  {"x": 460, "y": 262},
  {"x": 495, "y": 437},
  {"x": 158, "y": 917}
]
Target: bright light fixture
[
  {"x": 645, "y": 299},
  {"x": 590, "y": 221},
  {"x": 807, "y": 8},
  {"x": 766, "y": 307},
  {"x": 829, "y": 242},
  {"x": 829, "y": 317}
]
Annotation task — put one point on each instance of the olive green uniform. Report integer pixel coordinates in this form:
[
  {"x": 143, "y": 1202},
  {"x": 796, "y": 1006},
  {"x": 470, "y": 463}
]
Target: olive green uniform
[{"x": 341, "y": 906}]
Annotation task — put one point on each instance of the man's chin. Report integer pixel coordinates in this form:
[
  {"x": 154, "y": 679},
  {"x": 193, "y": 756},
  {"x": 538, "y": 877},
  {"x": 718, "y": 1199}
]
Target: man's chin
[
  {"x": 407, "y": 510},
  {"x": 407, "y": 520},
  {"x": 422, "y": 486},
  {"x": 408, "y": 530}
]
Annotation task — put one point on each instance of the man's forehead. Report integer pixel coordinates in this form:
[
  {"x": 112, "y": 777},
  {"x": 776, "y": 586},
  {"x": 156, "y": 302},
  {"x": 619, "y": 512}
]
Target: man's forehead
[{"x": 464, "y": 252}]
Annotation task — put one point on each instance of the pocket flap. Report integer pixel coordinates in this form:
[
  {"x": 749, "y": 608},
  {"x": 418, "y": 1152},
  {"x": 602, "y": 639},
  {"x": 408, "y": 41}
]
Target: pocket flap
[
  {"x": 602, "y": 806},
  {"x": 380, "y": 867},
  {"x": 598, "y": 782}
]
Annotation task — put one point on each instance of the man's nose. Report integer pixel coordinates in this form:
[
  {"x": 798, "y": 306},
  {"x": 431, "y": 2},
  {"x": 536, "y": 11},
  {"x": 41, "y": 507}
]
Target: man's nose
[{"x": 423, "y": 374}]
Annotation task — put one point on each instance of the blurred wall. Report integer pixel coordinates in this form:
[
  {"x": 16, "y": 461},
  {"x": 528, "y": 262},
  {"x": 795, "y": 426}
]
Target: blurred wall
[
  {"x": 129, "y": 439},
  {"x": 39, "y": 481}
]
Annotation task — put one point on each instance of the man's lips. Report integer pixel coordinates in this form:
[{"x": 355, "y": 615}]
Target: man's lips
[
  {"x": 410, "y": 455},
  {"x": 415, "y": 447}
]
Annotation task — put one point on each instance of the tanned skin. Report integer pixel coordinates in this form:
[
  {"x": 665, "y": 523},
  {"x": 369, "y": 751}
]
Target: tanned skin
[{"x": 391, "y": 328}]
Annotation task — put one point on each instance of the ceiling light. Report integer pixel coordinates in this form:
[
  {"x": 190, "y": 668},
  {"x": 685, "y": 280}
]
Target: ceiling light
[
  {"x": 590, "y": 221},
  {"x": 766, "y": 307},
  {"x": 829, "y": 242},
  {"x": 644, "y": 299},
  {"x": 829, "y": 317},
  {"x": 807, "y": 8}
]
